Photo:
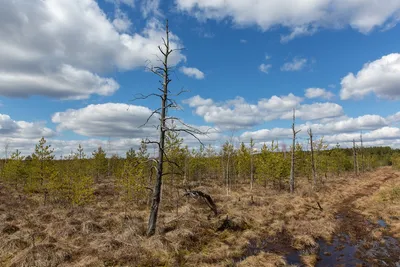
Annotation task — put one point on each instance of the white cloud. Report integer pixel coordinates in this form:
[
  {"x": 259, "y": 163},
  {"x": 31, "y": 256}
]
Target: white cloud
[
  {"x": 316, "y": 111},
  {"x": 238, "y": 114},
  {"x": 150, "y": 7},
  {"x": 268, "y": 134},
  {"x": 243, "y": 41},
  {"x": 395, "y": 118},
  {"x": 61, "y": 48},
  {"x": 265, "y": 68},
  {"x": 192, "y": 72},
  {"x": 346, "y": 125},
  {"x": 384, "y": 133},
  {"x": 343, "y": 130},
  {"x": 318, "y": 93},
  {"x": 65, "y": 83},
  {"x": 121, "y": 21},
  {"x": 130, "y": 3},
  {"x": 302, "y": 30},
  {"x": 279, "y": 103},
  {"x": 108, "y": 120},
  {"x": 381, "y": 77},
  {"x": 10, "y": 128},
  {"x": 301, "y": 17},
  {"x": 296, "y": 65}
]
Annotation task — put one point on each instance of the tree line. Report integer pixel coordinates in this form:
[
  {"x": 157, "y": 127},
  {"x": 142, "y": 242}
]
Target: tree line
[{"x": 73, "y": 179}]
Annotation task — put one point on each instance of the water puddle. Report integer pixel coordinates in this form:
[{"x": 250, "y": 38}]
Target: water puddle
[
  {"x": 355, "y": 246},
  {"x": 383, "y": 252},
  {"x": 382, "y": 223},
  {"x": 340, "y": 251}
]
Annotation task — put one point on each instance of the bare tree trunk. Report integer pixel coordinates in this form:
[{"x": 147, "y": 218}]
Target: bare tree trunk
[
  {"x": 355, "y": 163},
  {"x": 291, "y": 181},
  {"x": 362, "y": 153},
  {"x": 251, "y": 171},
  {"x": 251, "y": 164},
  {"x": 166, "y": 103},
  {"x": 228, "y": 179},
  {"x": 314, "y": 174},
  {"x": 157, "y": 189}
]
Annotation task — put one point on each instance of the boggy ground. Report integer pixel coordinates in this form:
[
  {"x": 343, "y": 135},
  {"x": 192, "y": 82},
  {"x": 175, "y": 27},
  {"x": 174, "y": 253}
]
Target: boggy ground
[{"x": 359, "y": 223}]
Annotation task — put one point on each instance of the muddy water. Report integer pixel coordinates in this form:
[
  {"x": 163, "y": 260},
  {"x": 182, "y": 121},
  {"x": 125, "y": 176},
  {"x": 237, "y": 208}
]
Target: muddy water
[{"x": 364, "y": 251}]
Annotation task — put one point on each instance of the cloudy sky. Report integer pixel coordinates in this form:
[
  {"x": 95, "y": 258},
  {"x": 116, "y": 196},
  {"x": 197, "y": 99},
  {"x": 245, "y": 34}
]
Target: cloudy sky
[{"x": 69, "y": 70}]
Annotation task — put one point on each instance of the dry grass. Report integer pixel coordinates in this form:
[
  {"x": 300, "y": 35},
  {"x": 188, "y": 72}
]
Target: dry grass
[
  {"x": 107, "y": 233},
  {"x": 383, "y": 204}
]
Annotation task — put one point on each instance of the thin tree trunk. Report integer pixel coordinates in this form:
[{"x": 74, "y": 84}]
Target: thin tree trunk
[
  {"x": 228, "y": 180},
  {"x": 362, "y": 153},
  {"x": 291, "y": 181},
  {"x": 314, "y": 174},
  {"x": 355, "y": 163},
  {"x": 157, "y": 189},
  {"x": 252, "y": 171}
]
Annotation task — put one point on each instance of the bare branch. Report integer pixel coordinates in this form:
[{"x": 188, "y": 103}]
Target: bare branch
[
  {"x": 181, "y": 92},
  {"x": 188, "y": 132},
  {"x": 156, "y": 111},
  {"x": 162, "y": 52},
  {"x": 142, "y": 96}
]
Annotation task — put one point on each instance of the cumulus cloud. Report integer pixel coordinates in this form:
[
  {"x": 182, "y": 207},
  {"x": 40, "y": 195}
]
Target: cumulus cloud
[
  {"x": 301, "y": 17},
  {"x": 64, "y": 83},
  {"x": 343, "y": 130},
  {"x": 265, "y": 68},
  {"x": 296, "y": 65},
  {"x": 10, "y": 128},
  {"x": 66, "y": 147},
  {"x": 108, "y": 120},
  {"x": 238, "y": 114},
  {"x": 395, "y": 118},
  {"x": 192, "y": 72},
  {"x": 62, "y": 48},
  {"x": 345, "y": 125},
  {"x": 381, "y": 77},
  {"x": 121, "y": 21},
  {"x": 150, "y": 7},
  {"x": 22, "y": 135},
  {"x": 122, "y": 121},
  {"x": 318, "y": 93},
  {"x": 384, "y": 133},
  {"x": 316, "y": 111}
]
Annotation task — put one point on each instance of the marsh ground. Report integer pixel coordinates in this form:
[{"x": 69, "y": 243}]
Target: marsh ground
[{"x": 359, "y": 223}]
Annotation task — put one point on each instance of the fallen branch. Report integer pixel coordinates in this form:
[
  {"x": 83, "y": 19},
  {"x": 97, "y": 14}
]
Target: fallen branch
[
  {"x": 319, "y": 207},
  {"x": 207, "y": 198}
]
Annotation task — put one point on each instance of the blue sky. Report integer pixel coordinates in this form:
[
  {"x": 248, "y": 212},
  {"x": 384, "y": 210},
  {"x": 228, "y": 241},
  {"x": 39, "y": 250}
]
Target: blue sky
[{"x": 69, "y": 68}]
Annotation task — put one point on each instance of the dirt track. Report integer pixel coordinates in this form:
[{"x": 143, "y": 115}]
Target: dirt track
[{"x": 353, "y": 244}]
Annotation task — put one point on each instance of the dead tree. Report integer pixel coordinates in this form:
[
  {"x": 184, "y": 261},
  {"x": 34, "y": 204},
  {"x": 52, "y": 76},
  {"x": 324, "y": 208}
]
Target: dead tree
[
  {"x": 314, "y": 174},
  {"x": 362, "y": 153},
  {"x": 291, "y": 181},
  {"x": 251, "y": 164},
  {"x": 163, "y": 72},
  {"x": 355, "y": 162}
]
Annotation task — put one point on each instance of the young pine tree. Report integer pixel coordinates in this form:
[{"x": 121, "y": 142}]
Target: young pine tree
[
  {"x": 78, "y": 178},
  {"x": 43, "y": 172},
  {"x": 14, "y": 171},
  {"x": 99, "y": 163}
]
